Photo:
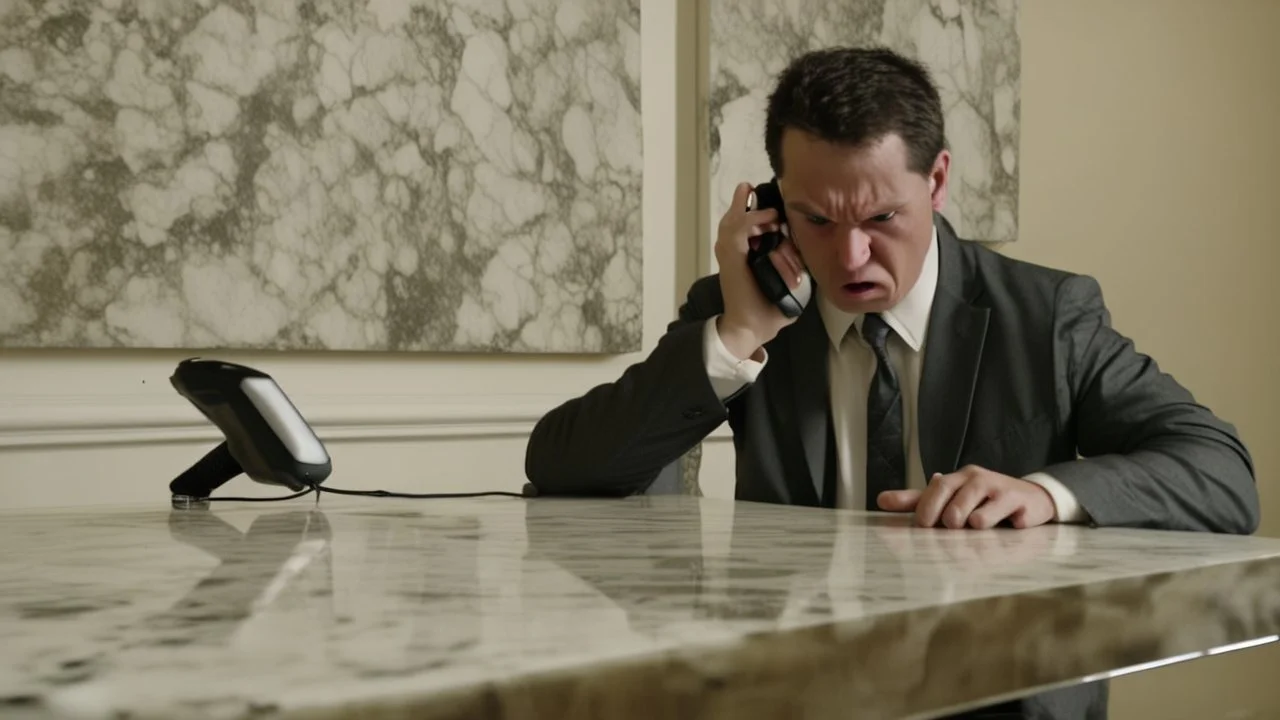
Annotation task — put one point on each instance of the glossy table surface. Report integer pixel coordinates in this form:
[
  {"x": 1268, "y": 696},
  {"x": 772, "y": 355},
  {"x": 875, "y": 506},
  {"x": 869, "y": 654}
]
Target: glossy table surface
[{"x": 565, "y": 608}]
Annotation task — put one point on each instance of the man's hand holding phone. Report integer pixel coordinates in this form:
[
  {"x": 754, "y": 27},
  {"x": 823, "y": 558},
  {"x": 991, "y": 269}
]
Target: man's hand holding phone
[{"x": 750, "y": 320}]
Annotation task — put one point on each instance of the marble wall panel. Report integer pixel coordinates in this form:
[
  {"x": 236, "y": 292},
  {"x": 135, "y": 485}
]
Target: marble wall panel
[
  {"x": 458, "y": 175},
  {"x": 971, "y": 47}
]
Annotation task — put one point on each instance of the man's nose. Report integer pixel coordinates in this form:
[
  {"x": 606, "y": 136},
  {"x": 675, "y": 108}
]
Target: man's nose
[{"x": 855, "y": 249}]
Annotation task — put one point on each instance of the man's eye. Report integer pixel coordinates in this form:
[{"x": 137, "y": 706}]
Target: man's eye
[
  {"x": 817, "y": 219},
  {"x": 885, "y": 217}
]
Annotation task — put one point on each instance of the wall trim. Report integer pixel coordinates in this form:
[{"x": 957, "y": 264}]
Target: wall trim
[{"x": 53, "y": 421}]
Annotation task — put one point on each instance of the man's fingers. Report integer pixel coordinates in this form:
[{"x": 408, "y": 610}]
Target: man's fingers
[
  {"x": 767, "y": 216},
  {"x": 738, "y": 219},
  {"x": 936, "y": 497},
  {"x": 788, "y": 264},
  {"x": 742, "y": 229},
  {"x": 898, "y": 500},
  {"x": 750, "y": 207},
  {"x": 965, "y": 500},
  {"x": 972, "y": 497},
  {"x": 994, "y": 511},
  {"x": 789, "y": 251}
]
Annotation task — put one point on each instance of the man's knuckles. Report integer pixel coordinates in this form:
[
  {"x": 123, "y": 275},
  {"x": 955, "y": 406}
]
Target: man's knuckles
[{"x": 952, "y": 482}]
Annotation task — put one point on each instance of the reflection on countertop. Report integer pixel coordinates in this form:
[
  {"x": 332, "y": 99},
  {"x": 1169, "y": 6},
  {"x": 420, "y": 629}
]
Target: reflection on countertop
[{"x": 579, "y": 607}]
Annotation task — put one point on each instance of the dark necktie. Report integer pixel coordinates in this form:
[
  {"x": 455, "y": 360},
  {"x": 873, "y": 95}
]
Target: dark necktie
[{"x": 886, "y": 463}]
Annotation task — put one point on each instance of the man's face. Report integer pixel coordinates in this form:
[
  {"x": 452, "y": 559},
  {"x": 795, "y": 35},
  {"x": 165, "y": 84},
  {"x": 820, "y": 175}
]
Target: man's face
[{"x": 860, "y": 218}]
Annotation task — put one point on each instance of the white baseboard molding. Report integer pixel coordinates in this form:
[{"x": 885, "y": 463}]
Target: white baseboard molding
[
  {"x": 105, "y": 420},
  {"x": 68, "y": 422}
]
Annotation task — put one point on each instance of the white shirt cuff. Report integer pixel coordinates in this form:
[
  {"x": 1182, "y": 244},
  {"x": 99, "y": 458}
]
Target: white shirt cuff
[
  {"x": 728, "y": 374},
  {"x": 1067, "y": 508}
]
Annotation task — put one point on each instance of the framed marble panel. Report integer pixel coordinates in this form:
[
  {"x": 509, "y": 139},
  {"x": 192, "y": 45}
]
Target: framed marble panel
[
  {"x": 972, "y": 49},
  {"x": 461, "y": 175}
]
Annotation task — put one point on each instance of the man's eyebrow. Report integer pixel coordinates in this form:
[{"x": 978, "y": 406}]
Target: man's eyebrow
[{"x": 804, "y": 208}]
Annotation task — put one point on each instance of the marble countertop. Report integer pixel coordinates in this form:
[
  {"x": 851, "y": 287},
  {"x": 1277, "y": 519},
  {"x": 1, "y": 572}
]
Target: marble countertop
[{"x": 643, "y": 607}]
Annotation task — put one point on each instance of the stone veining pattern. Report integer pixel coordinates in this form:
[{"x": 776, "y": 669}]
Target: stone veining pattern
[
  {"x": 384, "y": 605},
  {"x": 971, "y": 47},
  {"x": 382, "y": 175}
]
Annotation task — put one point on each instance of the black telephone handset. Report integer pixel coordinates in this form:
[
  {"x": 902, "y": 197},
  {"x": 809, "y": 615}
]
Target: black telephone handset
[
  {"x": 266, "y": 437},
  {"x": 775, "y": 289}
]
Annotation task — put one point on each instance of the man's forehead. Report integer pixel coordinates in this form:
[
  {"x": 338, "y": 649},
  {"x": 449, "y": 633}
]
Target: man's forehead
[
  {"x": 813, "y": 163},
  {"x": 803, "y": 144},
  {"x": 836, "y": 192}
]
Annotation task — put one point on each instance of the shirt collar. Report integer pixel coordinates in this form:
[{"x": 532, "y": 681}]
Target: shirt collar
[{"x": 909, "y": 318}]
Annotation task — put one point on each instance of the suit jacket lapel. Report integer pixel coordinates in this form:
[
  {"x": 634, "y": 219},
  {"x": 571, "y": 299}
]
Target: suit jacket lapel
[
  {"x": 953, "y": 353},
  {"x": 807, "y": 353}
]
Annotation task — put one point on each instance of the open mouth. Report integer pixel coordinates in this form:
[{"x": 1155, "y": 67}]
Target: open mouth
[{"x": 859, "y": 288}]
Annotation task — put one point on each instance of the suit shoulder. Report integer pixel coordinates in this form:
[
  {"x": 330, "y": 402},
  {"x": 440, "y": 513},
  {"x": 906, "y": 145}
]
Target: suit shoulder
[
  {"x": 1023, "y": 293},
  {"x": 997, "y": 269},
  {"x": 704, "y": 299}
]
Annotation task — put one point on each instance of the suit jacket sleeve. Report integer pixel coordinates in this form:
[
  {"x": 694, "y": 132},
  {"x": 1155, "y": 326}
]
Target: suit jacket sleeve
[
  {"x": 616, "y": 438},
  {"x": 1151, "y": 456}
]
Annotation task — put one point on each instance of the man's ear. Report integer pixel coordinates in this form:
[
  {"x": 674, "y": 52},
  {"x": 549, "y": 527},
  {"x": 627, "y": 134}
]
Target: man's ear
[{"x": 938, "y": 177}]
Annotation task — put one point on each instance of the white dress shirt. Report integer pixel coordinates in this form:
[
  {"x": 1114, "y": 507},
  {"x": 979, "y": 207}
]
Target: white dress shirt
[{"x": 850, "y": 367}]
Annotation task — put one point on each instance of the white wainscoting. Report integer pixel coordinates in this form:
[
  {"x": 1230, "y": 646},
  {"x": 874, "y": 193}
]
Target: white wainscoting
[
  {"x": 61, "y": 421},
  {"x": 95, "y": 450}
]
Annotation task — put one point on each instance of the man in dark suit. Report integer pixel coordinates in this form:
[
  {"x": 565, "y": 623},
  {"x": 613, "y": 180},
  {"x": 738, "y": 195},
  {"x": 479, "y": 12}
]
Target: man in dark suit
[{"x": 927, "y": 375}]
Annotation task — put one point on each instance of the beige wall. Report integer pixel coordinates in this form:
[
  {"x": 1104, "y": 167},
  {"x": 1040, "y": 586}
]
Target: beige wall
[{"x": 1148, "y": 157}]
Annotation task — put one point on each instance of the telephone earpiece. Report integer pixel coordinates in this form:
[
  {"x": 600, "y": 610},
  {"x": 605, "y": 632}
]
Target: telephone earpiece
[{"x": 775, "y": 289}]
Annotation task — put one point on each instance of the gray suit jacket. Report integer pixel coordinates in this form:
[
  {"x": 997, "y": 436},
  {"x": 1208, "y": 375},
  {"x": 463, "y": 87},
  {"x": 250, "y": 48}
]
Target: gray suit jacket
[{"x": 1022, "y": 372}]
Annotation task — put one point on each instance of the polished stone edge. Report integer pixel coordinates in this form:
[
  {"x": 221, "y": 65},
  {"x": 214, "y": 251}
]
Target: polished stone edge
[{"x": 915, "y": 663}]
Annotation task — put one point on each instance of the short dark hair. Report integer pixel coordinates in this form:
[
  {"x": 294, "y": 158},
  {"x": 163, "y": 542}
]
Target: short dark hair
[{"x": 855, "y": 96}]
